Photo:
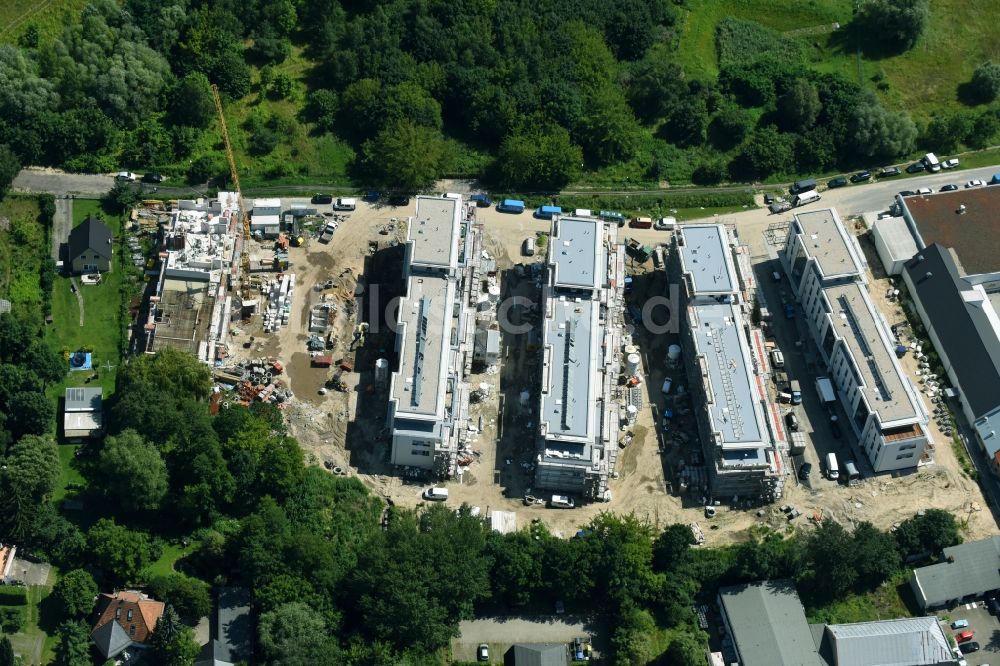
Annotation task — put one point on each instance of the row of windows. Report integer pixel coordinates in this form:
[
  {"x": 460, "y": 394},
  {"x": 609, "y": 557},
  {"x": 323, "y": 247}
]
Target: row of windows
[
  {"x": 905, "y": 455},
  {"x": 419, "y": 452}
]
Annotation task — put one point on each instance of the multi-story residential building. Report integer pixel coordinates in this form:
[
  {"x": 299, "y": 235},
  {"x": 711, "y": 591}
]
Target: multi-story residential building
[
  {"x": 428, "y": 398},
  {"x": 827, "y": 273},
  {"x": 740, "y": 431},
  {"x": 581, "y": 344}
]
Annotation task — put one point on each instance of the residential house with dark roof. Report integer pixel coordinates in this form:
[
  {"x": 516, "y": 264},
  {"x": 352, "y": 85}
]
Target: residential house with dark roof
[
  {"x": 966, "y": 571},
  {"x": 960, "y": 314},
  {"x": 124, "y": 619},
  {"x": 90, "y": 248}
]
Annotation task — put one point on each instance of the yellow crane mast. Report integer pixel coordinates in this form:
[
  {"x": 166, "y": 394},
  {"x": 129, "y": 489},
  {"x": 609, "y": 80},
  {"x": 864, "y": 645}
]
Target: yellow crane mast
[{"x": 244, "y": 218}]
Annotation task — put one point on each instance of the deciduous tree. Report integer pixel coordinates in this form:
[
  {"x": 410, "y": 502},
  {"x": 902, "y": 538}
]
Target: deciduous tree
[
  {"x": 10, "y": 166},
  {"x": 133, "y": 471},
  {"x": 404, "y": 156},
  {"x": 538, "y": 155},
  {"x": 986, "y": 81},
  {"x": 75, "y": 593}
]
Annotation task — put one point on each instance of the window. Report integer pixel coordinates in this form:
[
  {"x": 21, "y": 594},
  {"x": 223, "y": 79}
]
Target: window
[
  {"x": 118, "y": 613},
  {"x": 419, "y": 452},
  {"x": 907, "y": 447},
  {"x": 904, "y": 455},
  {"x": 131, "y": 630},
  {"x": 129, "y": 615}
]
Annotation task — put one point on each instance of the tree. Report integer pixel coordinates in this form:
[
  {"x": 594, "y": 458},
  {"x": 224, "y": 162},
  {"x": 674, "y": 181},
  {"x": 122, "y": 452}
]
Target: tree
[
  {"x": 672, "y": 546},
  {"x": 293, "y": 634},
  {"x": 877, "y": 133},
  {"x": 188, "y": 596},
  {"x": 135, "y": 475},
  {"x": 799, "y": 106},
  {"x": 947, "y": 130},
  {"x": 73, "y": 648},
  {"x": 927, "y": 534},
  {"x": 122, "y": 197},
  {"x": 35, "y": 413},
  {"x": 230, "y": 71},
  {"x": 75, "y": 593},
  {"x": 203, "y": 169},
  {"x": 688, "y": 122},
  {"x": 45, "y": 363},
  {"x": 656, "y": 86},
  {"x": 877, "y": 553},
  {"x": 191, "y": 101},
  {"x": 517, "y": 567},
  {"x": 984, "y": 130},
  {"x": 764, "y": 153},
  {"x": 121, "y": 552},
  {"x": 10, "y": 166},
  {"x": 833, "y": 571},
  {"x": 538, "y": 154},
  {"x": 404, "y": 156},
  {"x": 321, "y": 108},
  {"x": 709, "y": 173},
  {"x": 892, "y": 25},
  {"x": 685, "y": 649},
  {"x": 172, "y": 643},
  {"x": 32, "y": 471},
  {"x": 6, "y": 652},
  {"x": 985, "y": 81},
  {"x": 729, "y": 127},
  {"x": 608, "y": 130}
]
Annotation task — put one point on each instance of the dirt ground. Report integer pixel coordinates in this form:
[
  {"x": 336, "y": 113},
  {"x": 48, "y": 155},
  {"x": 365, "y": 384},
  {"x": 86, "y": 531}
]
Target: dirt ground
[{"x": 346, "y": 430}]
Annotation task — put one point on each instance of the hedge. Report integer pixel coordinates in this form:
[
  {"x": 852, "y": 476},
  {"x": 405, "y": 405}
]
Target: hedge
[{"x": 13, "y": 595}]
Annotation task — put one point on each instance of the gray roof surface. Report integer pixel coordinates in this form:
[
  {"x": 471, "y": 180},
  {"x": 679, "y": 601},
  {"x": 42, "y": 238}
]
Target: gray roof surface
[
  {"x": 234, "y": 626},
  {"x": 93, "y": 236},
  {"x": 568, "y": 389},
  {"x": 976, "y": 568},
  {"x": 540, "y": 654},
  {"x": 110, "y": 638},
  {"x": 768, "y": 624},
  {"x": 910, "y": 641},
  {"x": 83, "y": 399},
  {"x": 718, "y": 334},
  {"x": 214, "y": 653},
  {"x": 824, "y": 240},
  {"x": 433, "y": 232},
  {"x": 855, "y": 321},
  {"x": 706, "y": 256},
  {"x": 972, "y": 355},
  {"x": 575, "y": 252},
  {"x": 897, "y": 237},
  {"x": 426, "y": 314}
]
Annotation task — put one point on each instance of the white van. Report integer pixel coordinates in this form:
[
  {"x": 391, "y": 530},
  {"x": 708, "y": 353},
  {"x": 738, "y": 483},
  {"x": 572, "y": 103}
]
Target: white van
[
  {"x": 804, "y": 198},
  {"x": 777, "y": 358},
  {"x": 345, "y": 204},
  {"x": 582, "y": 212},
  {"x": 832, "y": 469},
  {"x": 529, "y": 247},
  {"x": 932, "y": 163},
  {"x": 436, "y": 494}
]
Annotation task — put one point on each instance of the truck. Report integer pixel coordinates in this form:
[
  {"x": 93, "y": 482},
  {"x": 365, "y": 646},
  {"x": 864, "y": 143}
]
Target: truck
[
  {"x": 796, "y": 390},
  {"x": 612, "y": 216},
  {"x": 345, "y": 204},
  {"x": 824, "y": 387},
  {"x": 803, "y": 185},
  {"x": 547, "y": 212},
  {"x": 327, "y": 235},
  {"x": 807, "y": 197},
  {"x": 932, "y": 163},
  {"x": 639, "y": 252},
  {"x": 511, "y": 206}
]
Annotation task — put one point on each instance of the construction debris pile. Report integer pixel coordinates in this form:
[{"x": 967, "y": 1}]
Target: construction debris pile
[
  {"x": 254, "y": 379},
  {"x": 280, "y": 292}
]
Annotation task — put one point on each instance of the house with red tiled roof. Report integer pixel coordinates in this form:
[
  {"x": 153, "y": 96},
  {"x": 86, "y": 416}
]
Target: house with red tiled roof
[{"x": 124, "y": 619}]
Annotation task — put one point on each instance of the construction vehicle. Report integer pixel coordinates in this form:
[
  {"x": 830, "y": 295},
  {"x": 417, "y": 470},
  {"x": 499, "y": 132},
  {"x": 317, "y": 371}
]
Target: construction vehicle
[
  {"x": 244, "y": 218},
  {"x": 359, "y": 335},
  {"x": 337, "y": 383}
]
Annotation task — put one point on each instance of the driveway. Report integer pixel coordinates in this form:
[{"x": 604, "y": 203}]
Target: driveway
[
  {"x": 501, "y": 632},
  {"x": 60, "y": 183},
  {"x": 985, "y": 627},
  {"x": 61, "y": 225}
]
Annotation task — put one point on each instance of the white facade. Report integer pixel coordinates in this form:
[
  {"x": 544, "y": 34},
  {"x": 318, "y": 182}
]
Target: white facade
[{"x": 827, "y": 273}]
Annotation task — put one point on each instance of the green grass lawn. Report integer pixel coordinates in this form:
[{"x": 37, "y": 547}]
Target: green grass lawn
[
  {"x": 22, "y": 250},
  {"x": 32, "y": 639},
  {"x": 891, "y": 600},
  {"x": 17, "y": 15},
  {"x": 69, "y": 475},
  {"x": 165, "y": 565},
  {"x": 84, "y": 207}
]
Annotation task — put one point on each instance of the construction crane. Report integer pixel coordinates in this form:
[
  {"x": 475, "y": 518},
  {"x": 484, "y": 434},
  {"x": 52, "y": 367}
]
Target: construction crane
[{"x": 244, "y": 218}]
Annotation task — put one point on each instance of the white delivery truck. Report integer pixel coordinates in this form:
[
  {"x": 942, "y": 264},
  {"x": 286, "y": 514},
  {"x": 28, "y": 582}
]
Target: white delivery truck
[
  {"x": 832, "y": 469},
  {"x": 824, "y": 387},
  {"x": 803, "y": 198},
  {"x": 345, "y": 204}
]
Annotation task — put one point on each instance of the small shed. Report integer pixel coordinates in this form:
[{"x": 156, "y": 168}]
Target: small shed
[
  {"x": 83, "y": 414},
  {"x": 487, "y": 346},
  {"x": 894, "y": 243}
]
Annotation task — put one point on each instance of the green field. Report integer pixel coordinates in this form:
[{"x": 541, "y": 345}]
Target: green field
[
  {"x": 32, "y": 640},
  {"x": 920, "y": 81},
  {"x": 892, "y": 599},
  {"x": 17, "y": 15},
  {"x": 22, "y": 250}
]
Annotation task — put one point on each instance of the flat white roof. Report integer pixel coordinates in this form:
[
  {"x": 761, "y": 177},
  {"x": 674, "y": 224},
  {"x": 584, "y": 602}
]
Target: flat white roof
[
  {"x": 570, "y": 338},
  {"x": 433, "y": 232},
  {"x": 705, "y": 255},
  {"x": 576, "y": 249},
  {"x": 825, "y": 239},
  {"x": 419, "y": 386}
]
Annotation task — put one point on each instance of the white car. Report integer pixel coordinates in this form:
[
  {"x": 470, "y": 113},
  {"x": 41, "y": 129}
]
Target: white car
[
  {"x": 950, "y": 164},
  {"x": 665, "y": 224},
  {"x": 975, "y": 183},
  {"x": 924, "y": 190},
  {"x": 125, "y": 176},
  {"x": 562, "y": 502}
]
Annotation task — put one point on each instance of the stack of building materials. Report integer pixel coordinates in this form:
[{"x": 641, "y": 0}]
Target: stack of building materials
[{"x": 280, "y": 293}]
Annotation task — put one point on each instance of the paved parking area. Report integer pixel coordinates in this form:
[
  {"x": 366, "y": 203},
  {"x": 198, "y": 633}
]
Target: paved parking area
[
  {"x": 503, "y": 631},
  {"x": 985, "y": 627},
  {"x": 32, "y": 573}
]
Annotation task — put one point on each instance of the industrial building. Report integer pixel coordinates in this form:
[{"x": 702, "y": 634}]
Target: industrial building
[
  {"x": 724, "y": 355},
  {"x": 965, "y": 571},
  {"x": 827, "y": 272},
  {"x": 581, "y": 340},
  {"x": 767, "y": 624},
  {"x": 428, "y": 397},
  {"x": 191, "y": 308}
]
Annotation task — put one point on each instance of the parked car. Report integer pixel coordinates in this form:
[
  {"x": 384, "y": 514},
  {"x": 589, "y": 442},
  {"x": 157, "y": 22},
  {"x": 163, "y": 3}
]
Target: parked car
[
  {"x": 768, "y": 199},
  {"x": 916, "y": 167},
  {"x": 960, "y": 624},
  {"x": 835, "y": 430},
  {"x": 792, "y": 421},
  {"x": 969, "y": 648},
  {"x": 861, "y": 177},
  {"x": 950, "y": 187},
  {"x": 562, "y": 502},
  {"x": 924, "y": 190},
  {"x": 789, "y": 311},
  {"x": 372, "y": 195},
  {"x": 436, "y": 494},
  {"x": 906, "y": 193},
  {"x": 993, "y": 605},
  {"x": 482, "y": 201},
  {"x": 889, "y": 171},
  {"x": 399, "y": 200},
  {"x": 839, "y": 181},
  {"x": 950, "y": 164},
  {"x": 322, "y": 199},
  {"x": 665, "y": 224},
  {"x": 975, "y": 183},
  {"x": 963, "y": 636},
  {"x": 152, "y": 178},
  {"x": 126, "y": 176},
  {"x": 804, "y": 471},
  {"x": 581, "y": 649},
  {"x": 483, "y": 652},
  {"x": 560, "y": 607}
]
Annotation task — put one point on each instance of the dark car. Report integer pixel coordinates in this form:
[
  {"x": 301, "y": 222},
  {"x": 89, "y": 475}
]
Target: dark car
[
  {"x": 889, "y": 171},
  {"x": 372, "y": 195},
  {"x": 482, "y": 201},
  {"x": 861, "y": 177},
  {"x": 792, "y": 421},
  {"x": 152, "y": 178},
  {"x": 916, "y": 167},
  {"x": 839, "y": 181},
  {"x": 322, "y": 199},
  {"x": 993, "y": 605},
  {"x": 804, "y": 471},
  {"x": 835, "y": 430},
  {"x": 906, "y": 193},
  {"x": 968, "y": 648},
  {"x": 950, "y": 187},
  {"x": 768, "y": 199},
  {"x": 789, "y": 311},
  {"x": 399, "y": 200}
]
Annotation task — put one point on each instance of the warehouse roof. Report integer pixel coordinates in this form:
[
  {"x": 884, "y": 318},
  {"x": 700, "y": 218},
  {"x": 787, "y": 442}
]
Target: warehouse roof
[
  {"x": 909, "y": 641},
  {"x": 967, "y": 568},
  {"x": 974, "y": 233},
  {"x": 768, "y": 624}
]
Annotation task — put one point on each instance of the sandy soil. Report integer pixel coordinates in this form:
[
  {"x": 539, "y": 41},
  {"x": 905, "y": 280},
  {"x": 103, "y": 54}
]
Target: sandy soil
[{"x": 347, "y": 430}]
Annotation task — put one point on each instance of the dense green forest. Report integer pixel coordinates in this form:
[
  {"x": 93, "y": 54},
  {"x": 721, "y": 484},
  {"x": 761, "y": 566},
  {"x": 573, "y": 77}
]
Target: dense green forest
[
  {"x": 529, "y": 96},
  {"x": 331, "y": 582}
]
